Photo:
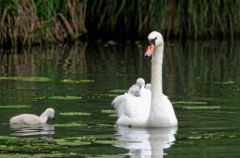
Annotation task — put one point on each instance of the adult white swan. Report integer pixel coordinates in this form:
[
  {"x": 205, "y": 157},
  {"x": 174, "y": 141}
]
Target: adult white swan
[{"x": 152, "y": 108}]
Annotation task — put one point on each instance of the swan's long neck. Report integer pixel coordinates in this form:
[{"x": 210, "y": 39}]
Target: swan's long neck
[
  {"x": 161, "y": 111},
  {"x": 156, "y": 87},
  {"x": 156, "y": 80}
]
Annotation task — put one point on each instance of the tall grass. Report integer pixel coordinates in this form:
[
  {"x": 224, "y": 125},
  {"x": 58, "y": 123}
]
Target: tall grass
[
  {"x": 174, "y": 18},
  {"x": 119, "y": 18},
  {"x": 203, "y": 18},
  {"x": 28, "y": 22}
]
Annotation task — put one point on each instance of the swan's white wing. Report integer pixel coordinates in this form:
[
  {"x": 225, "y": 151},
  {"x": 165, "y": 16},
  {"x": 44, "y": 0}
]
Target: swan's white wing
[
  {"x": 133, "y": 110},
  {"x": 123, "y": 105}
]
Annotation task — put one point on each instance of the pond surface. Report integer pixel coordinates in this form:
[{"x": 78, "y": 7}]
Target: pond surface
[{"x": 202, "y": 80}]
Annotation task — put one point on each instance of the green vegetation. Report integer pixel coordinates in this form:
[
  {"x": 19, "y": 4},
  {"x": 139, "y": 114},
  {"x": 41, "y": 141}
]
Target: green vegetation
[
  {"x": 71, "y": 124},
  {"x": 194, "y": 105},
  {"x": 14, "y": 106},
  {"x": 75, "y": 114},
  {"x": 26, "y": 79},
  {"x": 225, "y": 82},
  {"x": 209, "y": 136},
  {"x": 76, "y": 81},
  {"x": 190, "y": 103},
  {"x": 108, "y": 111},
  {"x": 53, "y": 147},
  {"x": 118, "y": 90},
  {"x": 199, "y": 107},
  {"x": 111, "y": 113},
  {"x": 28, "y": 22},
  {"x": 65, "y": 97}
]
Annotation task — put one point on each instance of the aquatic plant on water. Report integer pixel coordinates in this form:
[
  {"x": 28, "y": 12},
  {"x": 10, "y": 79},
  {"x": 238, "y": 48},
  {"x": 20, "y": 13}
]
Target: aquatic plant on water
[
  {"x": 25, "y": 79},
  {"x": 50, "y": 146},
  {"x": 65, "y": 97},
  {"x": 74, "y": 114},
  {"x": 14, "y": 106},
  {"x": 76, "y": 81}
]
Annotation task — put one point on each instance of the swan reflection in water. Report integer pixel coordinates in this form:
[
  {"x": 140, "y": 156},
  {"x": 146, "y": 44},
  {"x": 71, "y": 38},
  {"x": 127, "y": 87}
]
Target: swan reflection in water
[
  {"x": 32, "y": 130},
  {"x": 145, "y": 142}
]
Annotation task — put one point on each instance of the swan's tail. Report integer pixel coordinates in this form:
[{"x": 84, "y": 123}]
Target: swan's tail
[{"x": 118, "y": 103}]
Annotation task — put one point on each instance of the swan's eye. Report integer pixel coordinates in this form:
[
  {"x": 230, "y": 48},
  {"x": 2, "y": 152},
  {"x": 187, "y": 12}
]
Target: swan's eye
[{"x": 152, "y": 41}]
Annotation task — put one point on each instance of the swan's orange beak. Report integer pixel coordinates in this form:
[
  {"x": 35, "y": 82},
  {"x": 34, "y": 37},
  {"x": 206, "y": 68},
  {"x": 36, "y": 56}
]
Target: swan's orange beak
[{"x": 150, "y": 50}]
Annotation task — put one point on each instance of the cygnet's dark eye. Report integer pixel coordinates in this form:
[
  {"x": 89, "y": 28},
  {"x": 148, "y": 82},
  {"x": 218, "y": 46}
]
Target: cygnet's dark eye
[{"x": 152, "y": 41}]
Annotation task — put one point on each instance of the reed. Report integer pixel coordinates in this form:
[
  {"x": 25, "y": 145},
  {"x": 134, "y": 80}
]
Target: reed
[
  {"x": 29, "y": 22},
  {"x": 124, "y": 19},
  {"x": 175, "y": 19}
]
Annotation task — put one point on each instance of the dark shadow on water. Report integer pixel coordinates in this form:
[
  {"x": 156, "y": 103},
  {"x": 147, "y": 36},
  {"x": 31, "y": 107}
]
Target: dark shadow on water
[{"x": 145, "y": 142}]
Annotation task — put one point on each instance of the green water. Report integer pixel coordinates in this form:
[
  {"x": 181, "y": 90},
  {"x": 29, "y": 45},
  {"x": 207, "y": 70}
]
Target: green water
[{"x": 202, "y": 80}]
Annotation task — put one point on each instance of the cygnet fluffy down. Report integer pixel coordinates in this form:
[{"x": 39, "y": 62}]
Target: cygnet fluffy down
[
  {"x": 31, "y": 119},
  {"x": 136, "y": 88}
]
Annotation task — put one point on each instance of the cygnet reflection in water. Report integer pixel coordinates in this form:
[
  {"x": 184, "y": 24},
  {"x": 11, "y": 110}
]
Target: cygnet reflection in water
[{"x": 32, "y": 130}]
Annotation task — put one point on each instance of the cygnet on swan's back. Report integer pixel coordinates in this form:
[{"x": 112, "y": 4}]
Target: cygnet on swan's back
[
  {"x": 136, "y": 88},
  {"x": 31, "y": 119}
]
